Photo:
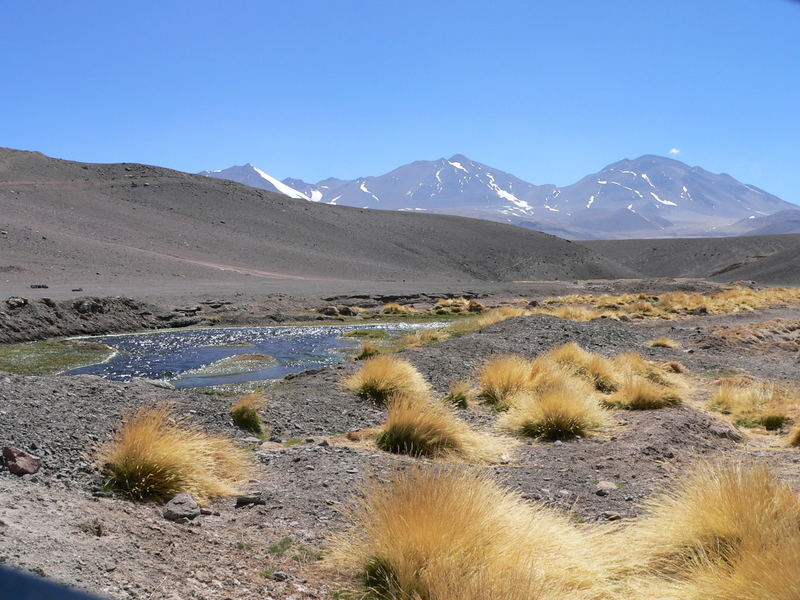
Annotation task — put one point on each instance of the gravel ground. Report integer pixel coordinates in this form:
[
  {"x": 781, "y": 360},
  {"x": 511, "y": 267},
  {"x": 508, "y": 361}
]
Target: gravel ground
[{"x": 55, "y": 523}]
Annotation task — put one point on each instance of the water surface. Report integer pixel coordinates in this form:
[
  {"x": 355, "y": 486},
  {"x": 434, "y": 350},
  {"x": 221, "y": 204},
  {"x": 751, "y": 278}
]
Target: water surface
[{"x": 185, "y": 358}]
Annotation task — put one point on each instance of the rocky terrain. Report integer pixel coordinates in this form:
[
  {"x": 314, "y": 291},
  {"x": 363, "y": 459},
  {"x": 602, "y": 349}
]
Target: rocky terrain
[{"x": 62, "y": 523}]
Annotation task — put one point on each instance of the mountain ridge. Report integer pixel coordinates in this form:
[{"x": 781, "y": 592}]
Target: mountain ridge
[{"x": 649, "y": 196}]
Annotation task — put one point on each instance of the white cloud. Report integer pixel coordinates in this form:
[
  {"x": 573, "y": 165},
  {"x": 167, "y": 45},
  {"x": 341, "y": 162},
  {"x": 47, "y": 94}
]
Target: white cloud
[{"x": 674, "y": 151}]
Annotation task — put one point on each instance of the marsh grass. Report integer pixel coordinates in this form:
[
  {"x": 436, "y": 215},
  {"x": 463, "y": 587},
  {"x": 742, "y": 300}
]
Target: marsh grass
[
  {"x": 663, "y": 342},
  {"x": 153, "y": 457}
]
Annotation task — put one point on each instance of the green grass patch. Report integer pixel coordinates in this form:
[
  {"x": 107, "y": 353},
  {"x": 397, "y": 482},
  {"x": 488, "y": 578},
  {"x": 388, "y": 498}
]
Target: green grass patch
[
  {"x": 281, "y": 546},
  {"x": 367, "y": 333},
  {"x": 51, "y": 356},
  {"x": 293, "y": 441}
]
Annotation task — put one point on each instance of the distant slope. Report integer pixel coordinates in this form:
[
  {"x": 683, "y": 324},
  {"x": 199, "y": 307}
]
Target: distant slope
[
  {"x": 784, "y": 221},
  {"x": 71, "y": 220},
  {"x": 767, "y": 259},
  {"x": 647, "y": 197}
]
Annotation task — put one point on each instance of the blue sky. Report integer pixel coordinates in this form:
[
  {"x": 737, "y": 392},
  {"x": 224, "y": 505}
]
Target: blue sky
[{"x": 548, "y": 91}]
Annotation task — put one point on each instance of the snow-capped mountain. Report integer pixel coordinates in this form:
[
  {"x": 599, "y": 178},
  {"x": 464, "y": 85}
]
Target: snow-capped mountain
[
  {"x": 650, "y": 196},
  {"x": 255, "y": 177}
]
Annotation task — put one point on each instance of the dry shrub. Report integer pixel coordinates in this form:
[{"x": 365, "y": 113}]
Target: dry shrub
[
  {"x": 596, "y": 369},
  {"x": 639, "y": 393},
  {"x": 451, "y": 534},
  {"x": 503, "y": 377},
  {"x": 474, "y": 306},
  {"x": 560, "y": 411},
  {"x": 576, "y": 313},
  {"x": 675, "y": 367},
  {"x": 393, "y": 308},
  {"x": 153, "y": 458},
  {"x": 724, "y": 531},
  {"x": 751, "y": 403},
  {"x": 460, "y": 394},
  {"x": 245, "y": 412},
  {"x": 383, "y": 376},
  {"x": 663, "y": 342},
  {"x": 368, "y": 350},
  {"x": 418, "y": 427}
]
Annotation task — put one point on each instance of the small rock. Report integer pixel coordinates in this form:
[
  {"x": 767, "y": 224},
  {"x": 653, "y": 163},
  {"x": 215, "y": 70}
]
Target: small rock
[
  {"x": 611, "y": 515},
  {"x": 39, "y": 286},
  {"x": 330, "y": 311},
  {"x": 324, "y": 443},
  {"x": 280, "y": 576},
  {"x": 558, "y": 443},
  {"x": 181, "y": 507},
  {"x": 16, "y": 302},
  {"x": 606, "y": 485},
  {"x": 20, "y": 462},
  {"x": 249, "y": 500},
  {"x": 346, "y": 311}
]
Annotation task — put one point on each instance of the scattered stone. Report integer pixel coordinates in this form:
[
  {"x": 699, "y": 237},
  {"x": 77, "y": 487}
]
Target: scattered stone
[
  {"x": 558, "y": 443},
  {"x": 77, "y": 289},
  {"x": 324, "y": 443},
  {"x": 280, "y": 576},
  {"x": 182, "y": 506},
  {"x": 607, "y": 485},
  {"x": 610, "y": 515},
  {"x": 249, "y": 501},
  {"x": 20, "y": 462},
  {"x": 725, "y": 431},
  {"x": 16, "y": 302}
]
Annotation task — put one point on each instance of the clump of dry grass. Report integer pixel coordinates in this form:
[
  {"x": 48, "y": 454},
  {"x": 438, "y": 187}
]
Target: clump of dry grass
[
  {"x": 596, "y": 369},
  {"x": 245, "y": 412},
  {"x": 448, "y": 534},
  {"x": 639, "y": 393},
  {"x": 751, "y": 403},
  {"x": 504, "y": 377},
  {"x": 663, "y": 342},
  {"x": 563, "y": 410},
  {"x": 393, "y": 308},
  {"x": 723, "y": 531},
  {"x": 485, "y": 319},
  {"x": 153, "y": 458},
  {"x": 460, "y": 394},
  {"x": 419, "y": 427},
  {"x": 794, "y": 436},
  {"x": 368, "y": 350},
  {"x": 384, "y": 376},
  {"x": 423, "y": 337}
]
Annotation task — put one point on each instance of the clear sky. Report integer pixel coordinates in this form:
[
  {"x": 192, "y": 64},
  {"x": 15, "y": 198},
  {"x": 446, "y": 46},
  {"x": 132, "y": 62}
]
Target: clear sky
[{"x": 548, "y": 91}]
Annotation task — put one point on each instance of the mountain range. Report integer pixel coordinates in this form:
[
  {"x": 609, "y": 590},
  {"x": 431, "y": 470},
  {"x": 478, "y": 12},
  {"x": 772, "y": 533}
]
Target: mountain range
[{"x": 647, "y": 197}]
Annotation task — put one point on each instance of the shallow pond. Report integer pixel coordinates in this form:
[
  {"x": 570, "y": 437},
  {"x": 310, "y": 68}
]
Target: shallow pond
[{"x": 225, "y": 356}]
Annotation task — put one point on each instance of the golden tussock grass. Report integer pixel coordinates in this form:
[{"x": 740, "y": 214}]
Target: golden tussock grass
[
  {"x": 639, "y": 393},
  {"x": 724, "y": 531},
  {"x": 245, "y": 412},
  {"x": 751, "y": 403},
  {"x": 459, "y": 305},
  {"x": 447, "y": 534},
  {"x": 418, "y": 426},
  {"x": 503, "y": 377},
  {"x": 423, "y": 337},
  {"x": 368, "y": 350},
  {"x": 562, "y": 410},
  {"x": 393, "y": 308},
  {"x": 461, "y": 393},
  {"x": 384, "y": 376},
  {"x": 671, "y": 304},
  {"x": 487, "y": 318},
  {"x": 663, "y": 342},
  {"x": 596, "y": 369},
  {"x": 794, "y": 436},
  {"x": 152, "y": 457}
]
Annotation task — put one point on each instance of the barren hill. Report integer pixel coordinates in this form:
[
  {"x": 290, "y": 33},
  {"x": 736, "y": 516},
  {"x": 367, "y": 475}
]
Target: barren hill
[{"x": 75, "y": 222}]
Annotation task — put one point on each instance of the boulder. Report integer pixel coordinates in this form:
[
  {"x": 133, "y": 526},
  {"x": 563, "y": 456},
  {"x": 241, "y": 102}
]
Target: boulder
[
  {"x": 182, "y": 506},
  {"x": 20, "y": 462},
  {"x": 16, "y": 302},
  {"x": 330, "y": 311}
]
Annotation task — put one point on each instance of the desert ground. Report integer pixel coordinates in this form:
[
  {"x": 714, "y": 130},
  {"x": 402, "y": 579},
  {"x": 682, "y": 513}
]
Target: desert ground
[{"x": 145, "y": 248}]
